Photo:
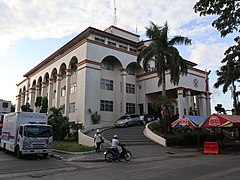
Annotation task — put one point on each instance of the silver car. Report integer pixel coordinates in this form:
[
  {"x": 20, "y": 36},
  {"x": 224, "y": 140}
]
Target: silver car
[{"x": 128, "y": 120}]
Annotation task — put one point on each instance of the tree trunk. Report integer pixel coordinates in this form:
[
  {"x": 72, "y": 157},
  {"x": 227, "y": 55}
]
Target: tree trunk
[
  {"x": 235, "y": 104},
  {"x": 163, "y": 84}
]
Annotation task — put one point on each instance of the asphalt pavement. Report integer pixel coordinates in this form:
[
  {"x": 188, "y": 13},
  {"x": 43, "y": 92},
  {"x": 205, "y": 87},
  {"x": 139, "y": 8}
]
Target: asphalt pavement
[{"x": 141, "y": 151}]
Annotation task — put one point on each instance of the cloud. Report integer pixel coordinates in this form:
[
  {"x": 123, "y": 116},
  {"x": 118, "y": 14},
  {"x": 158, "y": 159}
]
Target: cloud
[
  {"x": 58, "y": 18},
  {"x": 208, "y": 56}
]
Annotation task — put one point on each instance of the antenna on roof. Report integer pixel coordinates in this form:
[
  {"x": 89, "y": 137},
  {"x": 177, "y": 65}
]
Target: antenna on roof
[{"x": 115, "y": 13}]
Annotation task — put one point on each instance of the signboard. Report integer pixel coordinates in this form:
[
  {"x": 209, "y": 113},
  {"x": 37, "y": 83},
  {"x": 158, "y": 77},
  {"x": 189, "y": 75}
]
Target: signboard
[
  {"x": 183, "y": 122},
  {"x": 214, "y": 121}
]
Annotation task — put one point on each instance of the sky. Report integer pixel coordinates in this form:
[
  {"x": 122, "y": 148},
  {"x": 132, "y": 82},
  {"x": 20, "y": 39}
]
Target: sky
[{"x": 32, "y": 30}]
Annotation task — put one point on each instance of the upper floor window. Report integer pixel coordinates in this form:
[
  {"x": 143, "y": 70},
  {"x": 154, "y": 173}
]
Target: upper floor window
[
  {"x": 106, "y": 84},
  {"x": 108, "y": 65},
  {"x": 73, "y": 88},
  {"x": 112, "y": 43},
  {"x": 106, "y": 105},
  {"x": 122, "y": 46},
  {"x": 130, "y": 88},
  {"x": 5, "y": 105},
  {"x": 98, "y": 39},
  {"x": 131, "y": 70}
]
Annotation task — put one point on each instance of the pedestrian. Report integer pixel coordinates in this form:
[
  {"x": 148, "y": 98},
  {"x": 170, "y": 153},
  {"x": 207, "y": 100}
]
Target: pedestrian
[
  {"x": 190, "y": 112},
  {"x": 142, "y": 119},
  {"x": 98, "y": 140}
]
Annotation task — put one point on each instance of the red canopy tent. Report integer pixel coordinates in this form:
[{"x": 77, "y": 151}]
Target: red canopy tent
[
  {"x": 221, "y": 120},
  {"x": 188, "y": 121}
]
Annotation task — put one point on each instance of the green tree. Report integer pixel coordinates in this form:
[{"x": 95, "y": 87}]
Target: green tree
[
  {"x": 220, "y": 109},
  {"x": 166, "y": 56},
  {"x": 44, "y": 107},
  {"x": 26, "y": 108},
  {"x": 162, "y": 104},
  {"x": 227, "y": 12},
  {"x": 227, "y": 76},
  {"x": 13, "y": 107},
  {"x": 60, "y": 123}
]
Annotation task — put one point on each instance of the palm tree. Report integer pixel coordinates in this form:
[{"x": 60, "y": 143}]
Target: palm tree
[
  {"x": 227, "y": 76},
  {"x": 165, "y": 55},
  {"x": 60, "y": 123}
]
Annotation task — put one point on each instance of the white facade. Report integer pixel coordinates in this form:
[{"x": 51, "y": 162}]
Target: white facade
[
  {"x": 97, "y": 72},
  {"x": 5, "y": 107}
]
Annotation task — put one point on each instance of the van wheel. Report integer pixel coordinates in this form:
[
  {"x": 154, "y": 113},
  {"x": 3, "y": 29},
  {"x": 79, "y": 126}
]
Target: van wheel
[
  {"x": 18, "y": 153},
  {"x": 126, "y": 125},
  {"x": 45, "y": 155}
]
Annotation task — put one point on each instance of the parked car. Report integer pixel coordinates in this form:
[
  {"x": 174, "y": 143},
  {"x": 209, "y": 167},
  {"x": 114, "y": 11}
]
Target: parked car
[{"x": 128, "y": 120}]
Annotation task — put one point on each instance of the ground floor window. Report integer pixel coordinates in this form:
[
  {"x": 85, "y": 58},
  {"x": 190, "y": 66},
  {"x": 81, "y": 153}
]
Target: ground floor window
[
  {"x": 130, "y": 108},
  {"x": 72, "y": 107},
  {"x": 106, "y": 105}
]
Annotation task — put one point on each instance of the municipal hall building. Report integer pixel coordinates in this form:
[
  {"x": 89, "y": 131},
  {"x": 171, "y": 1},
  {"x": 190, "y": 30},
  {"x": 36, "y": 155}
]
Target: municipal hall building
[{"x": 97, "y": 71}]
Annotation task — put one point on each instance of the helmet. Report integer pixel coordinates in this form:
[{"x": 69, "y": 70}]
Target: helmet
[
  {"x": 98, "y": 130},
  {"x": 115, "y": 136}
]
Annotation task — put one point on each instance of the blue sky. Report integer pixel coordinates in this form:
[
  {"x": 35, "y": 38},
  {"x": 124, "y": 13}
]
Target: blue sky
[{"x": 32, "y": 30}]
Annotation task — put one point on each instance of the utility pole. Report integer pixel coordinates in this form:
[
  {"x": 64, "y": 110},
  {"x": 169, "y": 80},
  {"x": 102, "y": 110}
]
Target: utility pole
[{"x": 115, "y": 14}]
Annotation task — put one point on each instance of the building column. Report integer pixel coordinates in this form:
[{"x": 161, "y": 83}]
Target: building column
[
  {"x": 180, "y": 101},
  {"x": 44, "y": 89},
  {"x": 124, "y": 76},
  {"x": 208, "y": 103},
  {"x": 26, "y": 98},
  {"x": 67, "y": 95},
  {"x": 50, "y": 93},
  {"x": 188, "y": 100},
  {"x": 18, "y": 103},
  {"x": 58, "y": 90},
  {"x": 202, "y": 104},
  {"x": 37, "y": 94},
  {"x": 22, "y": 98},
  {"x": 208, "y": 99},
  {"x": 32, "y": 97}
]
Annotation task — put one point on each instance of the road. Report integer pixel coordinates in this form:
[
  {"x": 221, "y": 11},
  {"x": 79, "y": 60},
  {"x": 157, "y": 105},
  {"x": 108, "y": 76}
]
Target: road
[{"x": 151, "y": 161}]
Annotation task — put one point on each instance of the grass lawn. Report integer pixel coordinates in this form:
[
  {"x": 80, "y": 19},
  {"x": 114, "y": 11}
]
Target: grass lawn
[{"x": 70, "y": 146}]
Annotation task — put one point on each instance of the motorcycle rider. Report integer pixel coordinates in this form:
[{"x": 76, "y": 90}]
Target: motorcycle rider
[{"x": 115, "y": 144}]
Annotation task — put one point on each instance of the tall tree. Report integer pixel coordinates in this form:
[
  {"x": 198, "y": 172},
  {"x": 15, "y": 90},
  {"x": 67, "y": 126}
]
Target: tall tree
[
  {"x": 227, "y": 76},
  {"x": 161, "y": 50},
  {"x": 44, "y": 107},
  {"x": 228, "y": 21},
  {"x": 227, "y": 12}
]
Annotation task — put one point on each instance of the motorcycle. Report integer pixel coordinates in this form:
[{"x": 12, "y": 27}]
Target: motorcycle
[{"x": 110, "y": 154}]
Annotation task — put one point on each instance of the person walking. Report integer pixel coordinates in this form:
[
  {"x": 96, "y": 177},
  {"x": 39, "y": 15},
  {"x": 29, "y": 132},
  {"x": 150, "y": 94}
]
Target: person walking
[{"x": 98, "y": 140}]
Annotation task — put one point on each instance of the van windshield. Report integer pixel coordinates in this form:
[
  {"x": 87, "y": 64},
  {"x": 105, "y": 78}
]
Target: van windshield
[{"x": 37, "y": 131}]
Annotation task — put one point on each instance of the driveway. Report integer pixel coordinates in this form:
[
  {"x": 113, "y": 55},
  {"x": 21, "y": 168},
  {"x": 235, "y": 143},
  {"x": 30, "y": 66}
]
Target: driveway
[{"x": 139, "y": 145}]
